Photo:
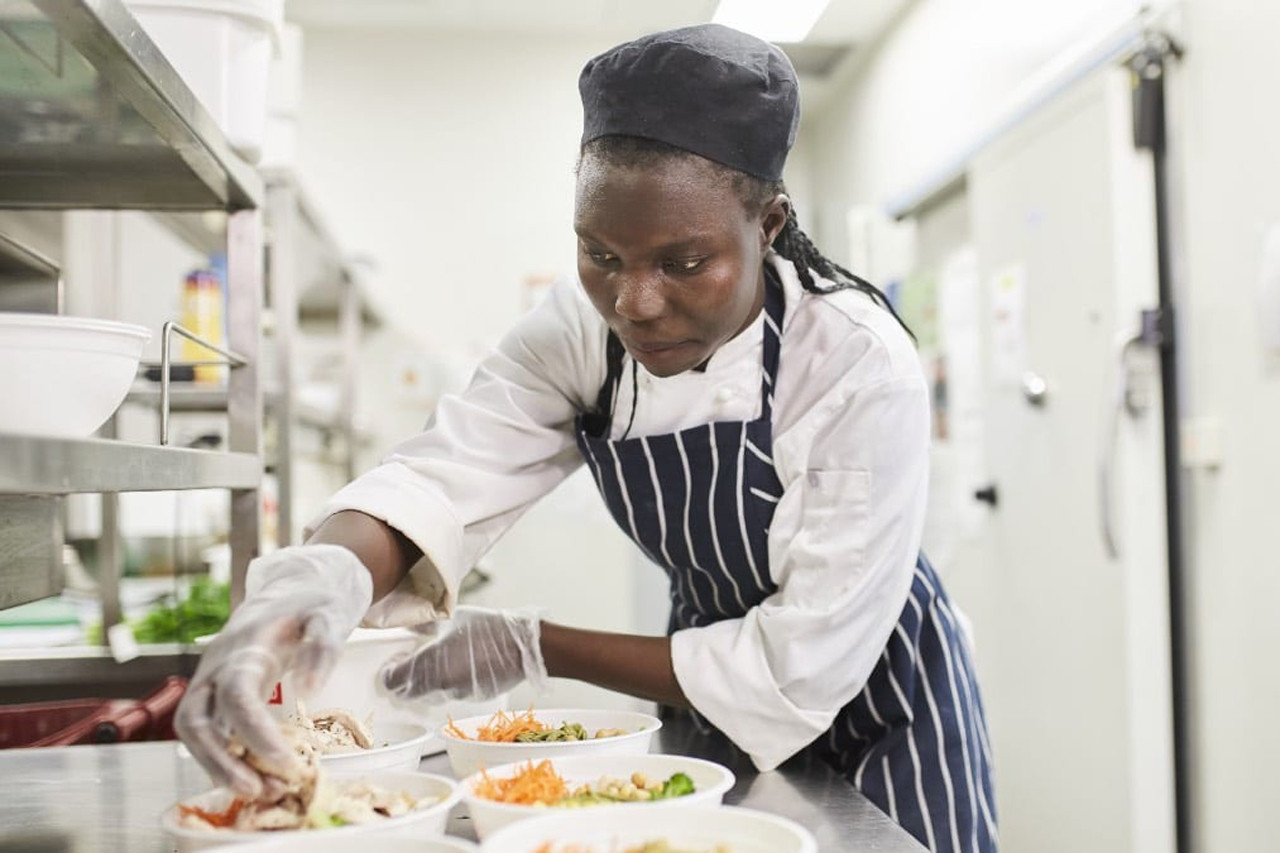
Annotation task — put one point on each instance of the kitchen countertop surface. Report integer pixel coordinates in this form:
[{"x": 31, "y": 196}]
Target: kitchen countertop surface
[{"x": 109, "y": 798}]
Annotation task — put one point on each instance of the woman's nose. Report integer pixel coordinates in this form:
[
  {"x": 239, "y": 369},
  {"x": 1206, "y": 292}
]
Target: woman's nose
[{"x": 639, "y": 298}]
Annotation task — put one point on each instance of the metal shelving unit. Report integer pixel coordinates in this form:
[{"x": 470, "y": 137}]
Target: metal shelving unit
[{"x": 93, "y": 116}]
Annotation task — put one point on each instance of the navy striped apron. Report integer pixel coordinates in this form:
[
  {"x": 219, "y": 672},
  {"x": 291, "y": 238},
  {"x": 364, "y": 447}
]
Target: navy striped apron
[{"x": 699, "y": 503}]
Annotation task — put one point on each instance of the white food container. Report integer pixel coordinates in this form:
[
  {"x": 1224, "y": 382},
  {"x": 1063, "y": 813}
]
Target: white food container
[
  {"x": 711, "y": 782},
  {"x": 311, "y": 844},
  {"x": 468, "y": 756},
  {"x": 222, "y": 49},
  {"x": 422, "y": 822},
  {"x": 402, "y": 752},
  {"x": 64, "y": 376},
  {"x": 612, "y": 828}
]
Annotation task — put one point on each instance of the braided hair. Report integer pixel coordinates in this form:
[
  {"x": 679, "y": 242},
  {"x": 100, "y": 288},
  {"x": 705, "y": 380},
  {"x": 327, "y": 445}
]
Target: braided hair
[{"x": 791, "y": 243}]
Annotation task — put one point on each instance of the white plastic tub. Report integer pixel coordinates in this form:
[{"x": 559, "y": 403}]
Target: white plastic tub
[
  {"x": 222, "y": 49},
  {"x": 612, "y": 828},
  {"x": 64, "y": 376},
  {"x": 423, "y": 822},
  {"x": 711, "y": 782},
  {"x": 468, "y": 756}
]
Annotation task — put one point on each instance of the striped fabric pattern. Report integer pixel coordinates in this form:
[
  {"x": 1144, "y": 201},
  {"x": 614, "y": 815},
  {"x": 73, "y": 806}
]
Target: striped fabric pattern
[{"x": 699, "y": 503}]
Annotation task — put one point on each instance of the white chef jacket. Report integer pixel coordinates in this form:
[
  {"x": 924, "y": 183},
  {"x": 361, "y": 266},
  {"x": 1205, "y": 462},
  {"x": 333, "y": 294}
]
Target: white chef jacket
[{"x": 851, "y": 436}]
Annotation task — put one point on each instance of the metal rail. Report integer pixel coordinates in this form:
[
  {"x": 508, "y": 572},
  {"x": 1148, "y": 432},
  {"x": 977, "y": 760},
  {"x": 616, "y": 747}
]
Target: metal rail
[{"x": 166, "y": 337}]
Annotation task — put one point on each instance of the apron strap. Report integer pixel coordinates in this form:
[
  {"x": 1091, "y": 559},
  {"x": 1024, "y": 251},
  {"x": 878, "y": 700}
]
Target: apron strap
[
  {"x": 774, "y": 309},
  {"x": 596, "y": 422}
]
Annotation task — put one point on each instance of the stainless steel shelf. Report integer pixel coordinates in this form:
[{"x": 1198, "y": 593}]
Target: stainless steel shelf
[
  {"x": 35, "y": 465},
  {"x": 90, "y": 665},
  {"x": 94, "y": 116}
]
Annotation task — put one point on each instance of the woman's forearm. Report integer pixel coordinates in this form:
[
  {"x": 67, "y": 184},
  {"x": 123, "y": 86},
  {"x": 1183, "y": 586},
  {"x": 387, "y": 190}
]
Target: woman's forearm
[
  {"x": 631, "y": 664},
  {"x": 385, "y": 551}
]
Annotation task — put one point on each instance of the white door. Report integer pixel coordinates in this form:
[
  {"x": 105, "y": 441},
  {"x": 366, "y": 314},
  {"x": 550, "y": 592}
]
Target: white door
[{"x": 1073, "y": 643}]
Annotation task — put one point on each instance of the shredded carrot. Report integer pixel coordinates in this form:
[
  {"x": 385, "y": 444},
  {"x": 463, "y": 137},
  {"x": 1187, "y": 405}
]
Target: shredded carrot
[
  {"x": 535, "y": 783},
  {"x": 501, "y": 728},
  {"x": 221, "y": 819}
]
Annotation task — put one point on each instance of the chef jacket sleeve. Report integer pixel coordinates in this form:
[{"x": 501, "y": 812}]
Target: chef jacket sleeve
[
  {"x": 487, "y": 454},
  {"x": 842, "y": 546}
]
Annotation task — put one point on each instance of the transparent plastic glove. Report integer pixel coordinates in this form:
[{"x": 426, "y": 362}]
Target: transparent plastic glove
[
  {"x": 299, "y": 607},
  {"x": 478, "y": 654}
]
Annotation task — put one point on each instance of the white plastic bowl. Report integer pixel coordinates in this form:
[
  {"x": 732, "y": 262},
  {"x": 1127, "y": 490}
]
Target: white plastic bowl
[
  {"x": 427, "y": 821},
  {"x": 64, "y": 376},
  {"x": 468, "y": 756},
  {"x": 611, "y": 828},
  {"x": 710, "y": 781},
  {"x": 403, "y": 750},
  {"x": 312, "y": 844}
]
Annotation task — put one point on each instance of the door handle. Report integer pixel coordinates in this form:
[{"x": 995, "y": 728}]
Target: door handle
[
  {"x": 1034, "y": 389},
  {"x": 988, "y": 494},
  {"x": 1127, "y": 398}
]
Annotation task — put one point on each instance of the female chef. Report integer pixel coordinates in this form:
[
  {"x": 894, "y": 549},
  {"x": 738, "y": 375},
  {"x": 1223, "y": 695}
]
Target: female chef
[{"x": 756, "y": 420}]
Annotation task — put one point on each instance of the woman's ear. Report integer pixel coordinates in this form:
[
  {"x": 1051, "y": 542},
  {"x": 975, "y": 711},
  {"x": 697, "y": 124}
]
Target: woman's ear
[{"x": 776, "y": 213}]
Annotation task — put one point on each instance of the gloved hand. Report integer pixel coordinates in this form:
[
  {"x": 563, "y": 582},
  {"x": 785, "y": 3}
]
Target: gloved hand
[
  {"x": 300, "y": 605},
  {"x": 478, "y": 654}
]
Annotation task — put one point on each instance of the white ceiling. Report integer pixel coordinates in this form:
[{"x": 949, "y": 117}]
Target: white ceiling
[{"x": 845, "y": 22}]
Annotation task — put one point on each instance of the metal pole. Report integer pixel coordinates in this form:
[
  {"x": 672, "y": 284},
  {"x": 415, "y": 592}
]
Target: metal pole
[
  {"x": 244, "y": 390},
  {"x": 1150, "y": 129},
  {"x": 110, "y": 551},
  {"x": 350, "y": 316},
  {"x": 282, "y": 272}
]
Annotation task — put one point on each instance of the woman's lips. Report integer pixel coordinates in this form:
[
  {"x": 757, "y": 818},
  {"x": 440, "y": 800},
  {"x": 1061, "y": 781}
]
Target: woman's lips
[{"x": 656, "y": 346}]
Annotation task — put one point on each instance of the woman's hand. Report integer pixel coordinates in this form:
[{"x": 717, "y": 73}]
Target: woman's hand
[
  {"x": 301, "y": 604},
  {"x": 478, "y": 654}
]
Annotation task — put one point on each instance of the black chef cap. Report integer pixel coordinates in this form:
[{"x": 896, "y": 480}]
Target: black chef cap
[{"x": 709, "y": 89}]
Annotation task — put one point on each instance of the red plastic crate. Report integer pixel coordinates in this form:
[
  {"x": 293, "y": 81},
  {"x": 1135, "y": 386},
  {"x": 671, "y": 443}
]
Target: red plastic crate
[{"x": 93, "y": 720}]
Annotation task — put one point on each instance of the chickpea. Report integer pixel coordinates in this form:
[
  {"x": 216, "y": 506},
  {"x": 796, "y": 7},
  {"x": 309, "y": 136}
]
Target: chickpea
[{"x": 639, "y": 780}]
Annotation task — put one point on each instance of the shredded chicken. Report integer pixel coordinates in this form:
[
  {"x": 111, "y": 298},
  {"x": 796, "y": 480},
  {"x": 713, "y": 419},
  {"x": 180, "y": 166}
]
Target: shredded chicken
[
  {"x": 331, "y": 731},
  {"x": 310, "y": 799}
]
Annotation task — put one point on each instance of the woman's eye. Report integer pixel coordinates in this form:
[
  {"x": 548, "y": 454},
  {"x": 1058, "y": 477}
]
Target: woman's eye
[
  {"x": 602, "y": 258},
  {"x": 685, "y": 265}
]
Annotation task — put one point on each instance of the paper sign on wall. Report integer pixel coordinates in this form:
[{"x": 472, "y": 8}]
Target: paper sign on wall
[{"x": 1009, "y": 323}]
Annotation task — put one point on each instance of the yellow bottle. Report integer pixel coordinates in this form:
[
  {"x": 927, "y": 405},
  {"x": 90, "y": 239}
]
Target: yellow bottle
[{"x": 202, "y": 314}]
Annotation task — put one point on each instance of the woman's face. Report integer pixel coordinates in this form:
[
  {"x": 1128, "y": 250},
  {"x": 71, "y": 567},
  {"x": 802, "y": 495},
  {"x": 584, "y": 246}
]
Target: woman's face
[{"x": 670, "y": 256}]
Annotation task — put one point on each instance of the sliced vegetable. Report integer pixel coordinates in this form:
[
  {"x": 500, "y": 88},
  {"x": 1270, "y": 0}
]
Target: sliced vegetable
[
  {"x": 501, "y": 728},
  {"x": 566, "y": 732},
  {"x": 220, "y": 819},
  {"x": 534, "y": 784}
]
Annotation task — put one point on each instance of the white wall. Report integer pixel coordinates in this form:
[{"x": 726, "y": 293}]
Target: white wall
[{"x": 449, "y": 159}]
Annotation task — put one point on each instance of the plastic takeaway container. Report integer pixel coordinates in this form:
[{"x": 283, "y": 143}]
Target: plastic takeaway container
[{"x": 222, "y": 49}]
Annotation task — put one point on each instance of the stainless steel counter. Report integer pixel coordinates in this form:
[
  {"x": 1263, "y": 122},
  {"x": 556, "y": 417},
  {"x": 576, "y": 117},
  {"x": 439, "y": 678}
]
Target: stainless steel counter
[{"x": 108, "y": 799}]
